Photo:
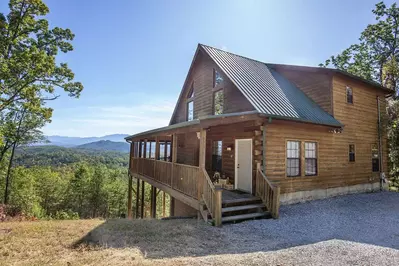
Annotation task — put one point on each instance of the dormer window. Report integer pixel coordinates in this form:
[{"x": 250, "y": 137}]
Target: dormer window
[
  {"x": 349, "y": 95},
  {"x": 217, "y": 78}
]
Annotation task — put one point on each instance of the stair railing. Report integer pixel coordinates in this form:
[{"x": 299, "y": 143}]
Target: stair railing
[
  {"x": 212, "y": 197},
  {"x": 268, "y": 192}
]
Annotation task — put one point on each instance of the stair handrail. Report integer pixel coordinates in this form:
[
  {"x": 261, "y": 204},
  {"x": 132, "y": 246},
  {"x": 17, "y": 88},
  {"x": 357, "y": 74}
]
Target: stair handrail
[
  {"x": 212, "y": 197},
  {"x": 268, "y": 192}
]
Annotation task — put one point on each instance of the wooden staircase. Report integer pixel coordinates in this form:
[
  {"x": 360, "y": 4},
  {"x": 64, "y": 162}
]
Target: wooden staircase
[{"x": 236, "y": 210}]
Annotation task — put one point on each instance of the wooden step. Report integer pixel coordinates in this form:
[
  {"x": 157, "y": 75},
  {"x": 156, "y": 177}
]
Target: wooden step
[
  {"x": 241, "y": 201},
  {"x": 243, "y": 207},
  {"x": 244, "y": 216}
]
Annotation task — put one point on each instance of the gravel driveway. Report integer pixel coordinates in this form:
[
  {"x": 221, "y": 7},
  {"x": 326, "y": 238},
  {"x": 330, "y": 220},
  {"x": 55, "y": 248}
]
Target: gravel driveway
[{"x": 360, "y": 229}]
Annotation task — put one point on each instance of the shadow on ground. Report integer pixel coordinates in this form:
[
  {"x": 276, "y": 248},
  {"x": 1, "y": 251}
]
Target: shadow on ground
[{"x": 371, "y": 218}]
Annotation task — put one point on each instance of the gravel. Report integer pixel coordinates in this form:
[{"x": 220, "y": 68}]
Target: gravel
[{"x": 355, "y": 229}]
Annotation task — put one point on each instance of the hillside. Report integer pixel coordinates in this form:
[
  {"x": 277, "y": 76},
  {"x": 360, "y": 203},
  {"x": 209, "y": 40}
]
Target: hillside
[
  {"x": 106, "y": 145},
  {"x": 58, "y": 156}
]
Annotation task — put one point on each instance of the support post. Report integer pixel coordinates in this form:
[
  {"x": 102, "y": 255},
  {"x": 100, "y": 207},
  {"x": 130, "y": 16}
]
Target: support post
[
  {"x": 137, "y": 198},
  {"x": 153, "y": 202},
  {"x": 142, "y": 198},
  {"x": 202, "y": 156},
  {"x": 163, "y": 204},
  {"x": 172, "y": 206},
  {"x": 129, "y": 197},
  {"x": 174, "y": 156},
  {"x": 218, "y": 206}
]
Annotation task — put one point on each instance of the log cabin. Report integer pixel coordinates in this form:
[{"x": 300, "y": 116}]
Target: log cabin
[{"x": 246, "y": 136}]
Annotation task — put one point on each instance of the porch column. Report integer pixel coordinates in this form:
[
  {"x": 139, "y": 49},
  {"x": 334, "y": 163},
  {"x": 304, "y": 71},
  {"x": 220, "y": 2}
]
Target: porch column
[
  {"x": 202, "y": 156},
  {"x": 129, "y": 197},
  {"x": 174, "y": 157},
  {"x": 163, "y": 204}
]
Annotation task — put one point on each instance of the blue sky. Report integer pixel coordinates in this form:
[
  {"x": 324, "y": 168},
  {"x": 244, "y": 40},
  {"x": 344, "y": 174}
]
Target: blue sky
[{"x": 133, "y": 56}]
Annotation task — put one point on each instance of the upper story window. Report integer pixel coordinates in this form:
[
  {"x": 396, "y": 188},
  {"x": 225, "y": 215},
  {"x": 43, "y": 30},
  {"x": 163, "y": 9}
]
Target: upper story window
[
  {"x": 310, "y": 158},
  {"x": 349, "y": 95},
  {"x": 217, "y": 78},
  {"x": 352, "y": 152},
  {"x": 293, "y": 158},
  {"x": 190, "y": 110},
  {"x": 191, "y": 92},
  {"x": 218, "y": 101}
]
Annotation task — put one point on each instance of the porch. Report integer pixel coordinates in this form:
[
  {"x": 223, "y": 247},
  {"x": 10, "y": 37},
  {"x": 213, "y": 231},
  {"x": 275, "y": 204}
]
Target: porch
[{"x": 156, "y": 158}]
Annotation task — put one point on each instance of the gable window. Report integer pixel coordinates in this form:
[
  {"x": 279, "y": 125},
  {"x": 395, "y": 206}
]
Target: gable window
[
  {"x": 375, "y": 158},
  {"x": 351, "y": 152},
  {"x": 191, "y": 92},
  {"x": 190, "y": 110},
  {"x": 217, "y": 155},
  {"x": 218, "y": 101},
  {"x": 217, "y": 78},
  {"x": 310, "y": 158},
  {"x": 293, "y": 158},
  {"x": 349, "y": 95}
]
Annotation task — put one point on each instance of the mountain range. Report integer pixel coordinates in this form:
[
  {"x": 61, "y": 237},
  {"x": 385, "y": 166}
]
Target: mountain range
[{"x": 65, "y": 141}]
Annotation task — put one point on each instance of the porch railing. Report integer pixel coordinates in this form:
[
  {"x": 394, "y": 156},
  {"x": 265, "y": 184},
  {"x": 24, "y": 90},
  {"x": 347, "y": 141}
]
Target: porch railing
[
  {"x": 180, "y": 177},
  {"x": 212, "y": 197},
  {"x": 268, "y": 192}
]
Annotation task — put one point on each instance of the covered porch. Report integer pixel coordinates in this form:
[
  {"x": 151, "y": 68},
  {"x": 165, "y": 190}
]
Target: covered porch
[{"x": 205, "y": 165}]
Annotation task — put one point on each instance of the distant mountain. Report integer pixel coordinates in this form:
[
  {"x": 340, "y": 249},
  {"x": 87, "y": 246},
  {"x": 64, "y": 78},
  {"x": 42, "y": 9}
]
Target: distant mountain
[
  {"x": 75, "y": 141},
  {"x": 105, "y": 145}
]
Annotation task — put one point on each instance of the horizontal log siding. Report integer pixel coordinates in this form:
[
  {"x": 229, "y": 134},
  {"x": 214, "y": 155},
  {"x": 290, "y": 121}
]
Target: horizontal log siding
[
  {"x": 188, "y": 148},
  {"x": 334, "y": 168},
  {"x": 315, "y": 85},
  {"x": 202, "y": 76}
]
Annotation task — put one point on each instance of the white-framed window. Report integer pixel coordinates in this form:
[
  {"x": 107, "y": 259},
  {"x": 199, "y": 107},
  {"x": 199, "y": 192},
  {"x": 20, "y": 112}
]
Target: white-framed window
[
  {"x": 293, "y": 166},
  {"x": 310, "y": 158},
  {"x": 190, "y": 110}
]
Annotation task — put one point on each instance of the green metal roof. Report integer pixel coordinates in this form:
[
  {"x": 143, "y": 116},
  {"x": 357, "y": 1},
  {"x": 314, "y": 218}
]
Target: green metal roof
[{"x": 267, "y": 90}]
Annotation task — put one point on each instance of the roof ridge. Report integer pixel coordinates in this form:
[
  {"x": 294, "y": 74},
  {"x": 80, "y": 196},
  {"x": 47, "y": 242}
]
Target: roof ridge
[{"x": 232, "y": 53}]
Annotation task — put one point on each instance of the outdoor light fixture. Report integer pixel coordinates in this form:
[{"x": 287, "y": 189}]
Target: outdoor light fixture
[{"x": 229, "y": 148}]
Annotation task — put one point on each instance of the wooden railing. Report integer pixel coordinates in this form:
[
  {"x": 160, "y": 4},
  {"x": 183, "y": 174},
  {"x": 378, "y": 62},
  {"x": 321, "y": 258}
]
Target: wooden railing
[
  {"x": 212, "y": 197},
  {"x": 181, "y": 177},
  {"x": 269, "y": 193}
]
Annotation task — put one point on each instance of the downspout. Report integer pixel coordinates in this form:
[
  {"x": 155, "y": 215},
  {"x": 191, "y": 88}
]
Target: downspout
[
  {"x": 382, "y": 176},
  {"x": 264, "y": 145}
]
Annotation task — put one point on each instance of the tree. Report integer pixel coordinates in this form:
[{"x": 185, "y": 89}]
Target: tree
[
  {"x": 28, "y": 50},
  {"x": 376, "y": 58}
]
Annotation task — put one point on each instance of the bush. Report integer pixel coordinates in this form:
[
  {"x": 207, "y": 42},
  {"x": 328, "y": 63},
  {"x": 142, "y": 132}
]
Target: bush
[{"x": 66, "y": 215}]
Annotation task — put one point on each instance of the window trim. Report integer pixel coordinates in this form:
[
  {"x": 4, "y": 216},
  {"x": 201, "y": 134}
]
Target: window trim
[
  {"x": 354, "y": 152},
  {"x": 347, "y": 88},
  {"x": 213, "y": 101},
  {"x": 317, "y": 156},
  {"x": 299, "y": 158}
]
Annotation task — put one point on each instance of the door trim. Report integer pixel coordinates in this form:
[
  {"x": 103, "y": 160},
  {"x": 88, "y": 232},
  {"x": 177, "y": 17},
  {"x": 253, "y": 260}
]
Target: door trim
[{"x": 235, "y": 161}]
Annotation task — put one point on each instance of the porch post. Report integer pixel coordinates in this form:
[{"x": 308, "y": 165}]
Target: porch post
[
  {"x": 163, "y": 204},
  {"x": 202, "y": 156},
  {"x": 129, "y": 197},
  {"x": 153, "y": 202},
  {"x": 174, "y": 156}
]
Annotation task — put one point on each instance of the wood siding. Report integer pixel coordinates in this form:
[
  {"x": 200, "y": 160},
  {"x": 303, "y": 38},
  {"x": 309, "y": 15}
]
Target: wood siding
[
  {"x": 316, "y": 85},
  {"x": 334, "y": 168},
  {"x": 188, "y": 149},
  {"x": 202, "y": 76}
]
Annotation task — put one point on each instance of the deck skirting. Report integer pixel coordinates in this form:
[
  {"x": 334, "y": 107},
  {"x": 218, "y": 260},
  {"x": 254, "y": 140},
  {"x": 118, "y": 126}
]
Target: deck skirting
[{"x": 302, "y": 196}]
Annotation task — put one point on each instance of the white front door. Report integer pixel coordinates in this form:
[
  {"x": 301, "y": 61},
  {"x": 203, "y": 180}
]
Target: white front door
[{"x": 243, "y": 164}]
